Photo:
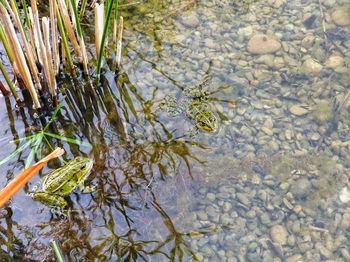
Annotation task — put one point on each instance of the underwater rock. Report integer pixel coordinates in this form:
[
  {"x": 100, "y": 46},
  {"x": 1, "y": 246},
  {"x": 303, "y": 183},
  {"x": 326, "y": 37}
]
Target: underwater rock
[
  {"x": 190, "y": 19},
  {"x": 279, "y": 234},
  {"x": 298, "y": 110},
  {"x": 301, "y": 188},
  {"x": 322, "y": 111},
  {"x": 308, "y": 41},
  {"x": 344, "y": 195},
  {"x": 341, "y": 16},
  {"x": 334, "y": 61},
  {"x": 310, "y": 22},
  {"x": 263, "y": 44},
  {"x": 311, "y": 67}
]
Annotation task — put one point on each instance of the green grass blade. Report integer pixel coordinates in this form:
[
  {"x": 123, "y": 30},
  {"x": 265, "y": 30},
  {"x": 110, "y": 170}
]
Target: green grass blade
[
  {"x": 16, "y": 152},
  {"x": 82, "y": 9},
  {"x": 20, "y": 139},
  {"x": 69, "y": 140},
  {"x": 76, "y": 18},
  {"x": 57, "y": 251},
  {"x": 5, "y": 43},
  {"x": 9, "y": 82},
  {"x": 25, "y": 9},
  {"x": 35, "y": 149},
  {"x": 65, "y": 43},
  {"x": 54, "y": 115},
  {"x": 104, "y": 38}
]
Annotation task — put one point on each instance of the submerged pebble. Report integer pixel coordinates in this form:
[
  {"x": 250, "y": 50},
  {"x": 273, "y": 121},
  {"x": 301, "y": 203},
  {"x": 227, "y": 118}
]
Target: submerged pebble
[
  {"x": 263, "y": 44},
  {"x": 279, "y": 234},
  {"x": 341, "y": 16}
]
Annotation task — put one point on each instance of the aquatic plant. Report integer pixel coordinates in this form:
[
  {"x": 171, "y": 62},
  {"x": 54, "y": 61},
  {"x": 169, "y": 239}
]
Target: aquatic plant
[
  {"x": 34, "y": 52},
  {"x": 37, "y": 141}
]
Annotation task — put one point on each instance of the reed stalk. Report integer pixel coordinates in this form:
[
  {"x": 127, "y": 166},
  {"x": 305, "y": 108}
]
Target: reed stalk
[
  {"x": 54, "y": 36},
  {"x": 66, "y": 54},
  {"x": 9, "y": 82},
  {"x": 43, "y": 42},
  {"x": 80, "y": 36},
  {"x": 82, "y": 8},
  {"x": 108, "y": 12},
  {"x": 19, "y": 59},
  {"x": 3, "y": 90},
  {"x": 62, "y": 7},
  {"x": 25, "y": 9},
  {"x": 119, "y": 42},
  {"x": 31, "y": 61},
  {"x": 99, "y": 15},
  {"x": 50, "y": 72},
  {"x": 5, "y": 43}
]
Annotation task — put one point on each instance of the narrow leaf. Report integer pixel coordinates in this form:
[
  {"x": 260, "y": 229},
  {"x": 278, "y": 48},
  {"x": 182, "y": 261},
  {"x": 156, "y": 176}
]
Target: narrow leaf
[{"x": 69, "y": 140}]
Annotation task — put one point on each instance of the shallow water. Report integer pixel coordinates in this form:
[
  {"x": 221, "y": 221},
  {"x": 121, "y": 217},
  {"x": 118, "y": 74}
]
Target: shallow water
[{"x": 270, "y": 185}]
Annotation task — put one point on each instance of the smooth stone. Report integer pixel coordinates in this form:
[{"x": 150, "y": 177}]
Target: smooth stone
[
  {"x": 298, "y": 110},
  {"x": 294, "y": 258},
  {"x": 334, "y": 61},
  {"x": 211, "y": 196},
  {"x": 279, "y": 234},
  {"x": 301, "y": 188},
  {"x": 265, "y": 219},
  {"x": 267, "y": 131},
  {"x": 245, "y": 31},
  {"x": 308, "y": 41},
  {"x": 202, "y": 215},
  {"x": 288, "y": 134},
  {"x": 341, "y": 16},
  {"x": 225, "y": 219},
  {"x": 243, "y": 199},
  {"x": 190, "y": 19},
  {"x": 310, "y": 66},
  {"x": 344, "y": 195},
  {"x": 323, "y": 111},
  {"x": 325, "y": 252},
  {"x": 227, "y": 207},
  {"x": 268, "y": 123},
  {"x": 263, "y": 44},
  {"x": 315, "y": 136}
]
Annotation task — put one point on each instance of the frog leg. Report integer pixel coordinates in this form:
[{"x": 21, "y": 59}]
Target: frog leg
[
  {"x": 86, "y": 189},
  {"x": 50, "y": 199}
]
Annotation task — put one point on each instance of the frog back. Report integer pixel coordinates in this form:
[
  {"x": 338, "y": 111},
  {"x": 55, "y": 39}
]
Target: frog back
[{"x": 62, "y": 180}]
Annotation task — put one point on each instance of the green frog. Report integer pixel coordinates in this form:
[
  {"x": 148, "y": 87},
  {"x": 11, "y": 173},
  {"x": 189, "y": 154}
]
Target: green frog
[
  {"x": 61, "y": 182},
  {"x": 194, "y": 103}
]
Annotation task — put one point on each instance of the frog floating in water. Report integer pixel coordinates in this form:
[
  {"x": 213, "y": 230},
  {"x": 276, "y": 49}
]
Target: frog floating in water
[
  {"x": 62, "y": 181},
  {"x": 194, "y": 103}
]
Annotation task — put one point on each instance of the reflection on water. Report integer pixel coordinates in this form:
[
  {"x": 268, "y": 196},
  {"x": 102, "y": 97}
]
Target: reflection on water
[{"x": 271, "y": 184}]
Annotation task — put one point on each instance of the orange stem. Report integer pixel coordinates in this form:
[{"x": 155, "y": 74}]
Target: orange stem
[{"x": 19, "y": 181}]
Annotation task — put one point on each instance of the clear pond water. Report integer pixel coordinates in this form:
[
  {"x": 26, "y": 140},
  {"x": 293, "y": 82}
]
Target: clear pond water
[{"x": 270, "y": 184}]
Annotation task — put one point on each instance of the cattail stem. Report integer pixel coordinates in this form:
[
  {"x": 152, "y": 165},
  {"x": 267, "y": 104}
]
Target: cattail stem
[
  {"x": 99, "y": 16},
  {"x": 119, "y": 42},
  {"x": 6, "y": 44},
  {"x": 9, "y": 82},
  {"x": 19, "y": 58},
  {"x": 64, "y": 14},
  {"x": 3, "y": 90},
  {"x": 65, "y": 44},
  {"x": 104, "y": 38},
  {"x": 80, "y": 36}
]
